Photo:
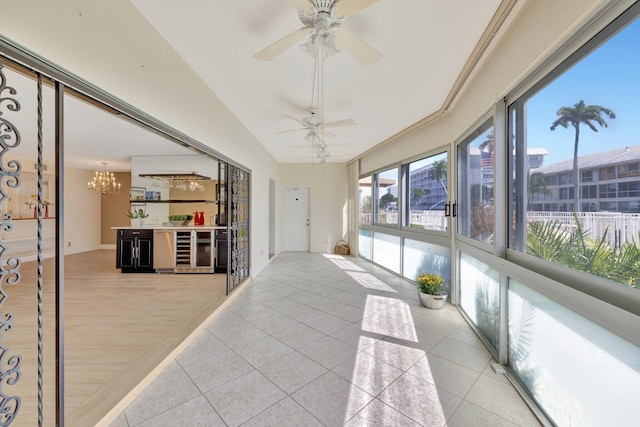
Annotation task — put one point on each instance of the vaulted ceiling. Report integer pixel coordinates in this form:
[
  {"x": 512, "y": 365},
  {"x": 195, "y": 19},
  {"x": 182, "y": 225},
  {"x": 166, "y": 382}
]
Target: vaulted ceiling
[{"x": 427, "y": 48}]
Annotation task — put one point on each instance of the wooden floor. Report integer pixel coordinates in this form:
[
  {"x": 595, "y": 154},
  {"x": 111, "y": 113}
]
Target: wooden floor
[{"x": 118, "y": 328}]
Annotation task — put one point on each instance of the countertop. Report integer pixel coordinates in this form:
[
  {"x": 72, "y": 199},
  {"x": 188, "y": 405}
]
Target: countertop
[{"x": 171, "y": 227}]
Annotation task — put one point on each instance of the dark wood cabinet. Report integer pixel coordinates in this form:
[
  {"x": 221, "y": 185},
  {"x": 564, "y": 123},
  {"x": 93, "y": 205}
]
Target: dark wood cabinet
[{"x": 134, "y": 251}]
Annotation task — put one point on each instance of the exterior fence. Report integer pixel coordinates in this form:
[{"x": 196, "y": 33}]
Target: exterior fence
[
  {"x": 620, "y": 227},
  {"x": 429, "y": 220}
]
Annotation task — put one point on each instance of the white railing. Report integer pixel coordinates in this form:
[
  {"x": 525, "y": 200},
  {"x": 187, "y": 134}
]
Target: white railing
[
  {"x": 429, "y": 220},
  {"x": 620, "y": 227}
]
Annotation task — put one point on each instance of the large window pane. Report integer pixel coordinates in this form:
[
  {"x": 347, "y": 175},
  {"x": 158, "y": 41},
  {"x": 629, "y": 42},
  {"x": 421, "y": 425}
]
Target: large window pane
[
  {"x": 387, "y": 186},
  {"x": 364, "y": 244},
  {"x": 386, "y": 251},
  {"x": 476, "y": 217},
  {"x": 580, "y": 205},
  {"x": 422, "y": 257},
  {"x": 480, "y": 296},
  {"x": 593, "y": 384},
  {"x": 365, "y": 200},
  {"x": 428, "y": 193}
]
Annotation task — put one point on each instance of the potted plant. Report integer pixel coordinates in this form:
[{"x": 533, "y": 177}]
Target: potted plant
[
  {"x": 431, "y": 290},
  {"x": 134, "y": 217},
  {"x": 142, "y": 215}
]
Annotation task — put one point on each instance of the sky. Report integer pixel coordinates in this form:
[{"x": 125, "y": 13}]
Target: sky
[{"x": 609, "y": 77}]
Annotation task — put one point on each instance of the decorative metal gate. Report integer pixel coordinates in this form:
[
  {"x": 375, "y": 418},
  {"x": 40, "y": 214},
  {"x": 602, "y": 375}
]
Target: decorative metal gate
[
  {"x": 238, "y": 188},
  {"x": 10, "y": 365}
]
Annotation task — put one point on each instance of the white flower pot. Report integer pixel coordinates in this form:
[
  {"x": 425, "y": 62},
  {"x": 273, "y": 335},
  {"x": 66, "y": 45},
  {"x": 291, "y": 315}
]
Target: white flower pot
[
  {"x": 432, "y": 301},
  {"x": 135, "y": 222}
]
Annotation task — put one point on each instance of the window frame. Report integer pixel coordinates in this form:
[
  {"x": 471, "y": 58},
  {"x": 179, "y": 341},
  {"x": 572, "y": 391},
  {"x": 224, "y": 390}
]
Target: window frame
[
  {"x": 469, "y": 135},
  {"x": 405, "y": 223},
  {"x": 587, "y": 41}
]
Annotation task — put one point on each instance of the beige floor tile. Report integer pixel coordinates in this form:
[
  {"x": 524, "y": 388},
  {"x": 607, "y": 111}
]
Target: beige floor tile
[
  {"x": 299, "y": 336},
  {"x": 327, "y": 323},
  {"x": 329, "y": 352},
  {"x": 420, "y": 400},
  {"x": 262, "y": 351},
  {"x": 465, "y": 334},
  {"x": 195, "y": 412},
  {"x": 401, "y": 356},
  {"x": 378, "y": 414},
  {"x": 445, "y": 375},
  {"x": 292, "y": 371},
  {"x": 167, "y": 390},
  {"x": 468, "y": 414},
  {"x": 420, "y": 338},
  {"x": 331, "y": 399},
  {"x": 216, "y": 371},
  {"x": 240, "y": 335},
  {"x": 286, "y": 413},
  {"x": 463, "y": 354},
  {"x": 242, "y": 399},
  {"x": 205, "y": 345},
  {"x": 274, "y": 323},
  {"x": 370, "y": 374},
  {"x": 502, "y": 399}
]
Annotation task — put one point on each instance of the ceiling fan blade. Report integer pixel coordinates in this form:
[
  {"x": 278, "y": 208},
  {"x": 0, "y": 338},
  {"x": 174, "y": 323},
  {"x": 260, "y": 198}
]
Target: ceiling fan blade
[
  {"x": 281, "y": 45},
  {"x": 295, "y": 119},
  {"x": 340, "y": 123},
  {"x": 345, "y": 8},
  {"x": 303, "y": 5},
  {"x": 291, "y": 130},
  {"x": 362, "y": 52},
  {"x": 327, "y": 134}
]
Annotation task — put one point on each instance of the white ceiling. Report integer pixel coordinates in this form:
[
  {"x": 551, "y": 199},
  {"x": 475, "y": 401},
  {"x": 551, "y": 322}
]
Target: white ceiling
[{"x": 424, "y": 45}]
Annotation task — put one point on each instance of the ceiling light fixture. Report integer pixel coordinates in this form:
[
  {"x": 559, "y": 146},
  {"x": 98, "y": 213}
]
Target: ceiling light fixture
[{"x": 103, "y": 182}]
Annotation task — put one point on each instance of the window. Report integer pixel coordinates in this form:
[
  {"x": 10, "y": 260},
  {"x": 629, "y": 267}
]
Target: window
[
  {"x": 476, "y": 218},
  {"x": 629, "y": 170},
  {"x": 576, "y": 110},
  {"x": 386, "y": 184},
  {"x": 605, "y": 174},
  {"x": 366, "y": 203},
  {"x": 427, "y": 193},
  {"x": 586, "y": 176},
  {"x": 480, "y": 296},
  {"x": 564, "y": 382}
]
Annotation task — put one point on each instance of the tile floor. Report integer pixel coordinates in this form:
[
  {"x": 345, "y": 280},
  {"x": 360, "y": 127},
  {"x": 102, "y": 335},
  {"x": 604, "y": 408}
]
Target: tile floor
[{"x": 321, "y": 339}]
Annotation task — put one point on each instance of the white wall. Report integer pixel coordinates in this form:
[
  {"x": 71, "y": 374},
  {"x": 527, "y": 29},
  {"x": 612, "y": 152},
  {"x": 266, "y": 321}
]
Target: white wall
[
  {"x": 328, "y": 201},
  {"x": 82, "y": 213},
  {"x": 112, "y": 46}
]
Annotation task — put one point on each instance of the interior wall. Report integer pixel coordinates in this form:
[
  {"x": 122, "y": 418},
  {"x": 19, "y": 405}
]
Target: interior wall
[
  {"x": 135, "y": 64},
  {"x": 113, "y": 209},
  {"x": 328, "y": 201},
  {"x": 81, "y": 213}
]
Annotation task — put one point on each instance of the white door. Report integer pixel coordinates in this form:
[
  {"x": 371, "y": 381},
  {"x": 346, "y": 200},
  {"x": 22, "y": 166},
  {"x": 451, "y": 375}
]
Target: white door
[{"x": 296, "y": 217}]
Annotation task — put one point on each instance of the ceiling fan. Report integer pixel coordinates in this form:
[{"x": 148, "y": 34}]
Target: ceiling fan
[
  {"x": 315, "y": 126},
  {"x": 322, "y": 21}
]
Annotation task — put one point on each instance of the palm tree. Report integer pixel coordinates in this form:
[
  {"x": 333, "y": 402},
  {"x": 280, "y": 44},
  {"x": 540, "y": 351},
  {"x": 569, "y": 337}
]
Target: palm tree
[
  {"x": 580, "y": 113},
  {"x": 439, "y": 172},
  {"x": 537, "y": 185}
]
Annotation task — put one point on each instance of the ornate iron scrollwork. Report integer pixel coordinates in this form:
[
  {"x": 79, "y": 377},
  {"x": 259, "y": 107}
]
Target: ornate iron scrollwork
[
  {"x": 239, "y": 242},
  {"x": 10, "y": 365}
]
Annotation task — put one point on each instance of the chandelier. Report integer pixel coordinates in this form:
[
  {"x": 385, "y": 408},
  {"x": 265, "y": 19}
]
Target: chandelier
[{"x": 103, "y": 182}]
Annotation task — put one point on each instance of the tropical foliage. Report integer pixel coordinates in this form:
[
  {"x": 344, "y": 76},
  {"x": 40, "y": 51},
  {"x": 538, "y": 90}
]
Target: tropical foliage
[
  {"x": 439, "y": 173},
  {"x": 573, "y": 247}
]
